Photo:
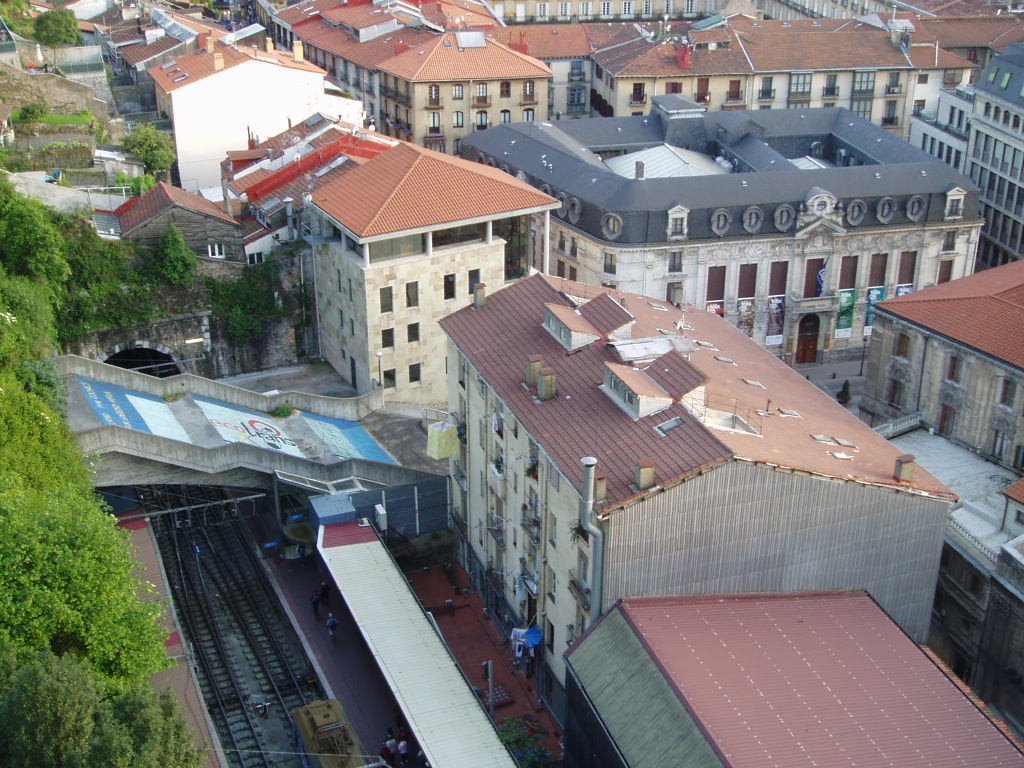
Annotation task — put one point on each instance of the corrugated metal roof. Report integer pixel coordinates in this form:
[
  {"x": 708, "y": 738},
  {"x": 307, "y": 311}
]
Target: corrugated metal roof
[
  {"x": 445, "y": 715},
  {"x": 810, "y": 680}
]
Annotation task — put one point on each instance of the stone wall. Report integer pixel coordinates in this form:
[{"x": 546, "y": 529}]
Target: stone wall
[{"x": 59, "y": 94}]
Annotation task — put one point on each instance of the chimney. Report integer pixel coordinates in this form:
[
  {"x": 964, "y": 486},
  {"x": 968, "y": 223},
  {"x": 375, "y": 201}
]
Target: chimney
[
  {"x": 218, "y": 62},
  {"x": 268, "y": 44},
  {"x": 297, "y": 51},
  {"x": 289, "y": 212},
  {"x": 600, "y": 486},
  {"x": 645, "y": 475},
  {"x": 533, "y": 366},
  {"x": 204, "y": 40},
  {"x": 207, "y": 41},
  {"x": 546, "y": 385},
  {"x": 479, "y": 295},
  {"x": 639, "y": 170},
  {"x": 904, "y": 471}
]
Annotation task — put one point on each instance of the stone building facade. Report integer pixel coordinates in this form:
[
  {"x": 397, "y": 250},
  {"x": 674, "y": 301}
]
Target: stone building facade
[{"x": 792, "y": 224}]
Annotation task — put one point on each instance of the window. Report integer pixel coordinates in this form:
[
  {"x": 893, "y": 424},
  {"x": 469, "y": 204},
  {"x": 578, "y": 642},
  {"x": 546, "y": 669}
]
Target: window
[
  {"x": 609, "y": 263},
  {"x": 799, "y": 83},
  {"x": 1000, "y": 443},
  {"x": 255, "y": 258},
  {"x": 606, "y": 8},
  {"x": 747, "y": 287},
  {"x": 1018, "y": 463},
  {"x": 412, "y": 332},
  {"x": 674, "y": 293},
  {"x": 505, "y": 89},
  {"x": 1007, "y": 393},
  {"x": 458, "y": 119},
  {"x": 506, "y": 117},
  {"x": 902, "y": 345},
  {"x": 814, "y": 277},
  {"x": 677, "y": 226},
  {"x": 449, "y": 286},
  {"x": 542, "y": 11},
  {"x": 638, "y": 96},
  {"x": 953, "y": 368},
  {"x": 389, "y": 378},
  {"x": 675, "y": 261},
  {"x": 481, "y": 120},
  {"x": 529, "y": 89},
  {"x": 457, "y": 91},
  {"x": 215, "y": 250},
  {"x": 716, "y": 284},
  {"x": 481, "y": 90},
  {"x": 412, "y": 294},
  {"x": 577, "y": 100},
  {"x": 945, "y": 271},
  {"x": 879, "y": 263},
  {"x": 949, "y": 240},
  {"x": 627, "y": 7},
  {"x": 549, "y": 636},
  {"x": 954, "y": 206},
  {"x": 474, "y": 278},
  {"x": 434, "y": 93},
  {"x": 386, "y": 303},
  {"x": 387, "y": 338},
  {"x": 894, "y": 393},
  {"x": 862, "y": 107},
  {"x": 848, "y": 272},
  {"x": 528, "y": 115},
  {"x": 864, "y": 83},
  {"x": 908, "y": 267},
  {"x": 414, "y": 373}
]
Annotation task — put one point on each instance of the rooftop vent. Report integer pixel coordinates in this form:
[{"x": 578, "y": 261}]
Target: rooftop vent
[
  {"x": 645, "y": 475},
  {"x": 547, "y": 387},
  {"x": 533, "y": 366},
  {"x": 904, "y": 469}
]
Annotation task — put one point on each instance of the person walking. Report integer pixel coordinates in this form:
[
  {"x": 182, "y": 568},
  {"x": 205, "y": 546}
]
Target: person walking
[
  {"x": 332, "y": 626},
  {"x": 325, "y": 594},
  {"x": 314, "y": 600}
]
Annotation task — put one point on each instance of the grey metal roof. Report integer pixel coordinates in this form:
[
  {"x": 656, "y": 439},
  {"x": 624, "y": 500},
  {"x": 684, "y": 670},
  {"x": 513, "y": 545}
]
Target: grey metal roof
[
  {"x": 639, "y": 708},
  {"x": 1004, "y": 75},
  {"x": 564, "y": 157}
]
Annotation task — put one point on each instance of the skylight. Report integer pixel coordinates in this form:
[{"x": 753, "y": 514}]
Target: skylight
[
  {"x": 754, "y": 383},
  {"x": 667, "y": 426},
  {"x": 705, "y": 344},
  {"x": 726, "y": 360},
  {"x": 789, "y": 412}
]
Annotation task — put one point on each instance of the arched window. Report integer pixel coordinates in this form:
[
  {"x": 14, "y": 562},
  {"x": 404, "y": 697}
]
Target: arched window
[
  {"x": 481, "y": 120},
  {"x": 527, "y": 115},
  {"x": 506, "y": 116}
]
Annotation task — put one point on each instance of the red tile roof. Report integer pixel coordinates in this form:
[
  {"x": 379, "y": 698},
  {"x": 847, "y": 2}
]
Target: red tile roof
[
  {"x": 818, "y": 679},
  {"x": 606, "y": 314},
  {"x": 136, "y": 54},
  {"x": 1015, "y": 491},
  {"x": 982, "y": 311},
  {"x": 440, "y": 59},
  {"x": 369, "y": 55},
  {"x": 406, "y": 188},
  {"x": 783, "y": 409},
  {"x": 546, "y": 41},
  {"x": 139, "y": 210},
  {"x": 196, "y": 66},
  {"x": 973, "y": 31}
]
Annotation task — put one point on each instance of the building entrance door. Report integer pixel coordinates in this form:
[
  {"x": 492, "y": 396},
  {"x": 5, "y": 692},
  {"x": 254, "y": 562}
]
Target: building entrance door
[
  {"x": 807, "y": 339},
  {"x": 947, "y": 421}
]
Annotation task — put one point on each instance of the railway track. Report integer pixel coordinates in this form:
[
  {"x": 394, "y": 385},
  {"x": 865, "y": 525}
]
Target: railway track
[{"x": 251, "y": 667}]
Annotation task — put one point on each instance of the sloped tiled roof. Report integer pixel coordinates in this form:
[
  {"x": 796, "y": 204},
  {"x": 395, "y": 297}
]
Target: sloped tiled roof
[
  {"x": 741, "y": 377},
  {"x": 547, "y": 41},
  {"x": 300, "y": 12},
  {"x": 407, "y": 187},
  {"x": 973, "y": 31},
  {"x": 440, "y": 59},
  {"x": 196, "y": 66},
  {"x": 605, "y": 314},
  {"x": 795, "y": 680},
  {"x": 368, "y": 55},
  {"x": 983, "y": 311},
  {"x": 136, "y": 54},
  {"x": 139, "y": 210},
  {"x": 1015, "y": 491}
]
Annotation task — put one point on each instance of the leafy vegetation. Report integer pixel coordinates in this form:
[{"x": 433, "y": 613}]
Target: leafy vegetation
[
  {"x": 31, "y": 112},
  {"x": 55, "y": 28},
  {"x": 37, "y": 112},
  {"x": 245, "y": 305},
  {"x": 526, "y": 745},
  {"x": 173, "y": 260},
  {"x": 140, "y": 184},
  {"x": 154, "y": 148}
]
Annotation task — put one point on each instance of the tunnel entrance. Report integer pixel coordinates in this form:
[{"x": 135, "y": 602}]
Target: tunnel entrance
[{"x": 145, "y": 360}]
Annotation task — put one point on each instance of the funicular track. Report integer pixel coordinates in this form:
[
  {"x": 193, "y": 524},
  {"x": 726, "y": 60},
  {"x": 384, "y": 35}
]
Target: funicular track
[{"x": 251, "y": 667}]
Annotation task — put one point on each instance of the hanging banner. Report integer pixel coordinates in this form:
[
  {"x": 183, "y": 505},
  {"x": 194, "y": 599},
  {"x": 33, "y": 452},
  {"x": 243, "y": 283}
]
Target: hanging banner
[
  {"x": 844, "y": 322},
  {"x": 745, "y": 316},
  {"x": 875, "y": 295},
  {"x": 903, "y": 290},
  {"x": 715, "y": 306},
  {"x": 774, "y": 335}
]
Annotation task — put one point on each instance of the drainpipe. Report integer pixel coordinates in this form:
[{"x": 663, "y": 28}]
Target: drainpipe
[{"x": 596, "y": 534}]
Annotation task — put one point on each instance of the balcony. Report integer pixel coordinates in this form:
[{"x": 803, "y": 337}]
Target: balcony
[
  {"x": 830, "y": 92},
  {"x": 579, "y": 590},
  {"x": 766, "y": 94},
  {"x": 496, "y": 527},
  {"x": 733, "y": 99},
  {"x": 890, "y": 121},
  {"x": 433, "y": 136},
  {"x": 637, "y": 99},
  {"x": 530, "y": 523},
  {"x": 481, "y": 102},
  {"x": 528, "y": 98},
  {"x": 395, "y": 95},
  {"x": 576, "y": 77},
  {"x": 893, "y": 90},
  {"x": 863, "y": 91},
  {"x": 800, "y": 94},
  {"x": 533, "y": 468},
  {"x": 702, "y": 98},
  {"x": 435, "y": 102},
  {"x": 496, "y": 479}
]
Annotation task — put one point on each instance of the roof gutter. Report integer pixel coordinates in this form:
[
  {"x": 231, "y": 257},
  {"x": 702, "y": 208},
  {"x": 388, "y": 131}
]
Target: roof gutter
[{"x": 591, "y": 526}]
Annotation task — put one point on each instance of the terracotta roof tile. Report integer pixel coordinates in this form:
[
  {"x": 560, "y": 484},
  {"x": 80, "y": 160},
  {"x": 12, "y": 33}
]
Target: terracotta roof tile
[
  {"x": 742, "y": 378},
  {"x": 1015, "y": 491},
  {"x": 674, "y": 372},
  {"x": 139, "y": 210},
  {"x": 136, "y": 54},
  {"x": 638, "y": 381},
  {"x": 572, "y": 319},
  {"x": 982, "y": 311},
  {"x": 606, "y": 314},
  {"x": 399, "y": 189},
  {"x": 439, "y": 58},
  {"x": 357, "y": 16},
  {"x": 973, "y": 31},
  {"x": 547, "y": 41},
  {"x": 812, "y": 679},
  {"x": 199, "y": 65},
  {"x": 296, "y": 14},
  {"x": 368, "y": 55}
]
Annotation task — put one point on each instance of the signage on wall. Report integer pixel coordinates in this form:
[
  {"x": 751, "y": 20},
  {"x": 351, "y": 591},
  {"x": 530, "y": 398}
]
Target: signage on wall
[
  {"x": 844, "y": 322},
  {"x": 775, "y": 334},
  {"x": 875, "y": 295}
]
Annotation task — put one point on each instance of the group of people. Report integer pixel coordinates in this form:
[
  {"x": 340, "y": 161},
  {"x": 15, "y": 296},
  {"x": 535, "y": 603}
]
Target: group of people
[{"x": 397, "y": 749}]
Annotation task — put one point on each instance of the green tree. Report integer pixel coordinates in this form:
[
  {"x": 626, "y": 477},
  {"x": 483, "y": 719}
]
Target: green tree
[
  {"x": 173, "y": 260},
  {"x": 140, "y": 184},
  {"x": 844, "y": 395},
  {"x": 61, "y": 714},
  {"x": 56, "y": 27},
  {"x": 30, "y": 243},
  {"x": 154, "y": 148}
]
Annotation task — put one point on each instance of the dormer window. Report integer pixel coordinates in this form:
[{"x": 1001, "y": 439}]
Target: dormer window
[
  {"x": 955, "y": 203},
  {"x": 634, "y": 391},
  {"x": 678, "y": 222}
]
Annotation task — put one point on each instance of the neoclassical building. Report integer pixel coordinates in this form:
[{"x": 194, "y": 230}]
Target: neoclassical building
[{"x": 790, "y": 223}]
